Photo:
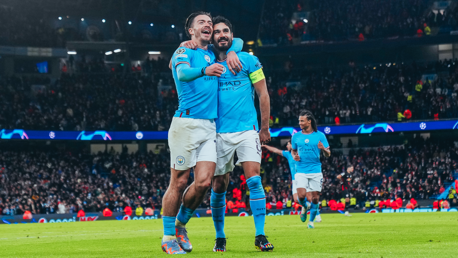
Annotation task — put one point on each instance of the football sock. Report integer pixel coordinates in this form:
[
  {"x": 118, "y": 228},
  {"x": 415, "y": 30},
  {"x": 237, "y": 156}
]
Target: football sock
[
  {"x": 317, "y": 211},
  {"x": 304, "y": 202},
  {"x": 169, "y": 227},
  {"x": 313, "y": 211},
  {"x": 184, "y": 215},
  {"x": 257, "y": 203},
  {"x": 218, "y": 206}
]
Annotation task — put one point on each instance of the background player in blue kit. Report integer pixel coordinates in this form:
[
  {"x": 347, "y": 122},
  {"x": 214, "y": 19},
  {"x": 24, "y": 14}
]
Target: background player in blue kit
[
  {"x": 307, "y": 146},
  {"x": 292, "y": 168},
  {"x": 192, "y": 134},
  {"x": 291, "y": 162}
]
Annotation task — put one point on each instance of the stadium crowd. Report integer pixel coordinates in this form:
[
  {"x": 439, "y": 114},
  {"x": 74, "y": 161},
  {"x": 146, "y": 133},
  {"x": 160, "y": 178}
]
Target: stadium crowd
[
  {"x": 104, "y": 99},
  {"x": 330, "y": 21},
  {"x": 66, "y": 182}
]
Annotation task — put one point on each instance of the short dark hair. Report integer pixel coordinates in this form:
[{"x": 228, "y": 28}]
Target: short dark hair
[
  {"x": 221, "y": 19},
  {"x": 190, "y": 20},
  {"x": 310, "y": 116}
]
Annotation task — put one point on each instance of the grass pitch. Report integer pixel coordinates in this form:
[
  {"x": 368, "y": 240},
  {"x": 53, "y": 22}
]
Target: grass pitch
[{"x": 362, "y": 235}]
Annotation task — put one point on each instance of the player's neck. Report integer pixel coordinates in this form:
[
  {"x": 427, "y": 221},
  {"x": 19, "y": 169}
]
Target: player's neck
[
  {"x": 222, "y": 56},
  {"x": 307, "y": 131},
  {"x": 202, "y": 44}
]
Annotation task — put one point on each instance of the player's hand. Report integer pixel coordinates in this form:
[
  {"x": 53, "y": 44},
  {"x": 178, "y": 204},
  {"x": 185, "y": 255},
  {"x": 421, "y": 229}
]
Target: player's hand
[
  {"x": 214, "y": 70},
  {"x": 264, "y": 136},
  {"x": 189, "y": 44},
  {"x": 234, "y": 63},
  {"x": 321, "y": 146},
  {"x": 296, "y": 157}
]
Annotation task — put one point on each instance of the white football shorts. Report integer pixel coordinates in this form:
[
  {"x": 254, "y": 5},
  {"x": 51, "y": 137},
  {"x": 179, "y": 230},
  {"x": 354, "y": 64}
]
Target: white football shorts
[
  {"x": 311, "y": 182},
  {"x": 294, "y": 187},
  {"x": 246, "y": 144},
  {"x": 190, "y": 141}
]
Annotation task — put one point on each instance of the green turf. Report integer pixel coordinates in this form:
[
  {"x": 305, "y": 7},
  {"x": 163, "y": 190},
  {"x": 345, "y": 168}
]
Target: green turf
[{"x": 362, "y": 235}]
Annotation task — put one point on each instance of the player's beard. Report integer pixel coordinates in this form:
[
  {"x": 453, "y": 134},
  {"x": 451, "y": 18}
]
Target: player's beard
[{"x": 224, "y": 47}]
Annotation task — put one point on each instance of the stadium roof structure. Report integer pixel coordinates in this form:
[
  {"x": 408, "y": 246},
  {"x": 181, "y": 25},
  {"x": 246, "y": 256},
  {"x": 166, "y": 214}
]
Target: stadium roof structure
[{"x": 244, "y": 15}]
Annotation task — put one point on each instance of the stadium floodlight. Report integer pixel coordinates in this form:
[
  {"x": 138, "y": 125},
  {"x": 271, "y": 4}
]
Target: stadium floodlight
[
  {"x": 82, "y": 19},
  {"x": 71, "y": 52},
  {"x": 108, "y": 53},
  {"x": 103, "y": 20},
  {"x": 60, "y": 18},
  {"x": 251, "y": 53},
  {"x": 117, "y": 50},
  {"x": 130, "y": 23},
  {"x": 151, "y": 24},
  {"x": 305, "y": 20},
  {"x": 251, "y": 42},
  {"x": 173, "y": 26},
  {"x": 154, "y": 52}
]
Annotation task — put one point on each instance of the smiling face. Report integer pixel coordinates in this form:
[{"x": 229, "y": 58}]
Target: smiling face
[
  {"x": 304, "y": 122},
  {"x": 202, "y": 28},
  {"x": 222, "y": 36}
]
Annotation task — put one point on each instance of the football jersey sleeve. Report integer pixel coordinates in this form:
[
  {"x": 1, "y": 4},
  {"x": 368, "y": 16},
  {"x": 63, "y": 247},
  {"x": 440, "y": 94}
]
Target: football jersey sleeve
[
  {"x": 254, "y": 69},
  {"x": 182, "y": 56}
]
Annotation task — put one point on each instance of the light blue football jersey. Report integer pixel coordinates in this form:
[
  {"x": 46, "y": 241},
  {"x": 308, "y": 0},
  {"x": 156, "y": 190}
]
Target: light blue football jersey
[
  {"x": 197, "y": 98},
  {"x": 307, "y": 147},
  {"x": 236, "y": 111},
  {"x": 291, "y": 162}
]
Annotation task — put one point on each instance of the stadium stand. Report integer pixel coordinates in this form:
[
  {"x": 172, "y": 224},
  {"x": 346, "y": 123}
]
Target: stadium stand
[
  {"x": 44, "y": 181},
  {"x": 331, "y": 21},
  {"x": 96, "y": 98}
]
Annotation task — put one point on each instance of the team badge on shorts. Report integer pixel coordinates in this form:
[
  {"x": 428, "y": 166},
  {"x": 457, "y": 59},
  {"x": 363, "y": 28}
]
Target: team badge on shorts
[
  {"x": 207, "y": 58},
  {"x": 306, "y": 140},
  {"x": 180, "y": 160},
  {"x": 181, "y": 51}
]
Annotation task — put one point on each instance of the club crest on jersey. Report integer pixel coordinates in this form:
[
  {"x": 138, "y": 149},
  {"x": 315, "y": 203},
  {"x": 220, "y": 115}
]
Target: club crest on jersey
[
  {"x": 207, "y": 58},
  {"x": 306, "y": 140},
  {"x": 180, "y": 160},
  {"x": 224, "y": 69},
  {"x": 180, "y": 51}
]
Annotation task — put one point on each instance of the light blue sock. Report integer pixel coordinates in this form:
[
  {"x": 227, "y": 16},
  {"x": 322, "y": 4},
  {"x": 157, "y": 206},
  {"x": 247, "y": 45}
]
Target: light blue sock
[
  {"x": 318, "y": 211},
  {"x": 218, "y": 206},
  {"x": 169, "y": 225},
  {"x": 313, "y": 211},
  {"x": 184, "y": 215},
  {"x": 257, "y": 203},
  {"x": 304, "y": 202}
]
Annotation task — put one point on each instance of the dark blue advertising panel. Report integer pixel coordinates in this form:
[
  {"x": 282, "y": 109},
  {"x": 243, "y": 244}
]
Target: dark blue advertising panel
[{"x": 6, "y": 134}]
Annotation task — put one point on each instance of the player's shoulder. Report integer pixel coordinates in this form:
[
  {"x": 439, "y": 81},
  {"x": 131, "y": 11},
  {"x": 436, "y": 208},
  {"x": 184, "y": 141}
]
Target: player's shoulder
[
  {"x": 183, "y": 51},
  {"x": 320, "y": 134},
  {"x": 243, "y": 54},
  {"x": 246, "y": 56}
]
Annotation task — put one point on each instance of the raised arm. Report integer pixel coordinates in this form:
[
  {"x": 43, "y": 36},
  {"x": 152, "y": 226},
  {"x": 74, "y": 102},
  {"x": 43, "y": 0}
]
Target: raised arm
[{"x": 273, "y": 150}]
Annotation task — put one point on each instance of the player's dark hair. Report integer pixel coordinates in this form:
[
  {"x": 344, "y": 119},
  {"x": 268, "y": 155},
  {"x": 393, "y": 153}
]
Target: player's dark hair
[
  {"x": 310, "y": 116},
  {"x": 221, "y": 19},
  {"x": 191, "y": 18}
]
